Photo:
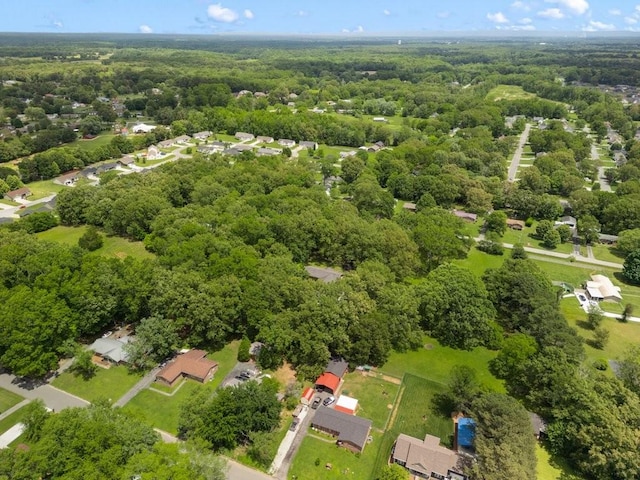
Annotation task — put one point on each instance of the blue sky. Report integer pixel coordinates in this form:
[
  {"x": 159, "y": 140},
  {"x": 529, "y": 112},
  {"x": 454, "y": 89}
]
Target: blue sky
[{"x": 349, "y": 17}]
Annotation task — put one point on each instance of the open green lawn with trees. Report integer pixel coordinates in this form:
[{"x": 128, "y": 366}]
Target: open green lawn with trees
[
  {"x": 90, "y": 145},
  {"x": 43, "y": 188},
  {"x": 10, "y": 420},
  {"x": 108, "y": 383},
  {"x": 318, "y": 450},
  {"x": 115, "y": 247},
  {"x": 376, "y": 396},
  {"x": 508, "y": 92}
]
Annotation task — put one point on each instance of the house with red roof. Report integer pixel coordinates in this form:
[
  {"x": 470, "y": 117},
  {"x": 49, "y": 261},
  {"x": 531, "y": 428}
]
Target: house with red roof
[{"x": 193, "y": 364}]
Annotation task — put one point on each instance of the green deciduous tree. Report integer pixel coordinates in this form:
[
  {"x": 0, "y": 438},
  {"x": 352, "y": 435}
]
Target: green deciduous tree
[
  {"x": 91, "y": 239},
  {"x": 631, "y": 268},
  {"x": 156, "y": 339}
]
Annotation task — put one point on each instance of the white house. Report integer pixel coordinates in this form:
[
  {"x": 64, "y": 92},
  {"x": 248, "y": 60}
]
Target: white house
[
  {"x": 601, "y": 288},
  {"x": 285, "y": 142},
  {"x": 143, "y": 128},
  {"x": 153, "y": 153}
]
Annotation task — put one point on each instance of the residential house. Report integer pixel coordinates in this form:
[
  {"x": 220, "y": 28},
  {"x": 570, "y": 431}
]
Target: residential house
[
  {"x": 346, "y": 405},
  {"x": 373, "y": 149},
  {"x": 326, "y": 275},
  {"x": 19, "y": 194},
  {"x": 263, "y": 139},
  {"x": 351, "y": 153},
  {"x": 88, "y": 171},
  {"x": 268, "y": 152},
  {"x": 110, "y": 350},
  {"x": 232, "y": 152},
  {"x": 68, "y": 179},
  {"x": 285, "y": 142},
  {"x": 380, "y": 119},
  {"x": 243, "y": 147},
  {"x": 412, "y": 207},
  {"x": 569, "y": 221},
  {"x": 126, "y": 161},
  {"x": 259, "y": 94},
  {"x": 167, "y": 143},
  {"x": 538, "y": 424},
  {"x": 600, "y": 288},
  {"x": 307, "y": 144},
  {"x": 208, "y": 149},
  {"x": 337, "y": 366},
  {"x": 244, "y": 137},
  {"x": 426, "y": 458},
  {"x": 153, "y": 153},
  {"x": 380, "y": 144},
  {"x": 607, "y": 239},
  {"x": 352, "y": 432},
  {"x": 182, "y": 139},
  {"x": 143, "y": 128},
  {"x": 469, "y": 217},
  {"x": 202, "y": 136},
  {"x": 515, "y": 224},
  {"x": 106, "y": 167},
  {"x": 193, "y": 364}
]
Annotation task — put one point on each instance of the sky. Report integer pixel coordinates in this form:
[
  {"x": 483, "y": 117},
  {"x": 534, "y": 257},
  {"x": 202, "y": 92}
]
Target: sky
[{"x": 342, "y": 17}]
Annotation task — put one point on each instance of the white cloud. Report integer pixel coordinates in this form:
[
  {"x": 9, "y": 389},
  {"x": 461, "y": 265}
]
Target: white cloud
[
  {"x": 221, "y": 14},
  {"x": 444, "y": 14},
  {"x": 359, "y": 29},
  {"x": 248, "y": 14},
  {"x": 595, "y": 26},
  {"x": 497, "y": 17},
  {"x": 525, "y": 21},
  {"x": 301, "y": 13},
  {"x": 518, "y": 28},
  {"x": 577, "y": 7},
  {"x": 520, "y": 5},
  {"x": 145, "y": 29},
  {"x": 553, "y": 13},
  {"x": 630, "y": 20},
  {"x": 615, "y": 12},
  {"x": 57, "y": 24},
  {"x": 386, "y": 12},
  {"x": 346, "y": 30}
]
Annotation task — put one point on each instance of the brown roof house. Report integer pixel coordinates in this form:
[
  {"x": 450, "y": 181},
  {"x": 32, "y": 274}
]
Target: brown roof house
[
  {"x": 469, "y": 217},
  {"x": 426, "y": 458},
  {"x": 515, "y": 224},
  {"x": 352, "y": 432},
  {"x": 19, "y": 194},
  {"x": 193, "y": 364}
]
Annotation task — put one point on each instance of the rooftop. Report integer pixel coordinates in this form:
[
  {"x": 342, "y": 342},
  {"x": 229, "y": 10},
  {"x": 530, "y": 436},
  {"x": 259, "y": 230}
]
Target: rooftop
[{"x": 352, "y": 429}]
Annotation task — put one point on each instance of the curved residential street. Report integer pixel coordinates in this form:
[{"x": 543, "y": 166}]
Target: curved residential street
[{"x": 515, "y": 161}]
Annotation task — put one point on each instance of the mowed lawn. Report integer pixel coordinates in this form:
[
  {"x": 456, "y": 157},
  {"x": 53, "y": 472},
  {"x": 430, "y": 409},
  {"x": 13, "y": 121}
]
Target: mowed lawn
[
  {"x": 549, "y": 468},
  {"x": 94, "y": 143},
  {"x": 162, "y": 411},
  {"x": 435, "y": 362},
  {"x": 113, "y": 246},
  {"x": 108, "y": 383},
  {"x": 43, "y": 188},
  {"x": 508, "y": 92},
  {"x": 375, "y": 397},
  {"x": 344, "y": 464},
  {"x": 10, "y": 420},
  {"x": 8, "y": 399}
]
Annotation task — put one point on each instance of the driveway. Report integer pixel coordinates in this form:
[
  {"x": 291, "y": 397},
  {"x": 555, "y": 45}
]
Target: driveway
[
  {"x": 143, "y": 383},
  {"x": 53, "y": 398},
  {"x": 231, "y": 381},
  {"x": 515, "y": 162}
]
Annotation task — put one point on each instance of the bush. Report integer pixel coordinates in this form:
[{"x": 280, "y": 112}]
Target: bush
[
  {"x": 601, "y": 364},
  {"x": 528, "y": 222},
  {"x": 91, "y": 239}
]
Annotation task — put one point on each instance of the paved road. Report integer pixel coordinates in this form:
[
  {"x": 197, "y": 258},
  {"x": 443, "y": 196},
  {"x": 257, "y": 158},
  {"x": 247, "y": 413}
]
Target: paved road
[
  {"x": 12, "y": 212},
  {"x": 143, "y": 383},
  {"x": 515, "y": 162},
  {"x": 240, "y": 472},
  {"x": 52, "y": 397},
  {"x": 565, "y": 256}
]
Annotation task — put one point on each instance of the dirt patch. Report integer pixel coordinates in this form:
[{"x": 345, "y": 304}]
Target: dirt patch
[
  {"x": 428, "y": 346},
  {"x": 382, "y": 376},
  {"x": 285, "y": 374},
  {"x": 120, "y": 255}
]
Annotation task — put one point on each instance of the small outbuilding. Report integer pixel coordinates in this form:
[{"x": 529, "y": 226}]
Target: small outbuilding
[
  {"x": 348, "y": 405},
  {"x": 326, "y": 275},
  {"x": 328, "y": 382}
]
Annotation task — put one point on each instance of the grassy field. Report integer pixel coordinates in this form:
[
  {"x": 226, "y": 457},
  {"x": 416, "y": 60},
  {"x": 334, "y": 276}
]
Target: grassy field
[
  {"x": 607, "y": 253},
  {"x": 162, "y": 411},
  {"x": 550, "y": 468},
  {"x": 110, "y": 383},
  {"x": 344, "y": 464},
  {"x": 113, "y": 246},
  {"x": 435, "y": 362},
  {"x": 43, "y": 188},
  {"x": 375, "y": 397},
  {"x": 508, "y": 92},
  {"x": 8, "y": 399},
  {"x": 525, "y": 237},
  {"x": 90, "y": 145}
]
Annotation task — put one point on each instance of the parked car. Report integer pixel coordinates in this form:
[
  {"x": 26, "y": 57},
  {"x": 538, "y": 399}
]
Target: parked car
[
  {"x": 329, "y": 400},
  {"x": 294, "y": 425},
  {"x": 316, "y": 402}
]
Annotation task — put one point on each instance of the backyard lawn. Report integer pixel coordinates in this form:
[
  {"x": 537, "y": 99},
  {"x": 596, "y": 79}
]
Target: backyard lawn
[
  {"x": 310, "y": 463},
  {"x": 375, "y": 397},
  {"x": 8, "y": 399},
  {"x": 94, "y": 143},
  {"x": 9, "y": 421},
  {"x": 435, "y": 362},
  {"x": 550, "y": 469},
  {"x": 43, "y": 188},
  {"x": 162, "y": 411},
  {"x": 113, "y": 246},
  {"x": 508, "y": 92},
  {"x": 111, "y": 383}
]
